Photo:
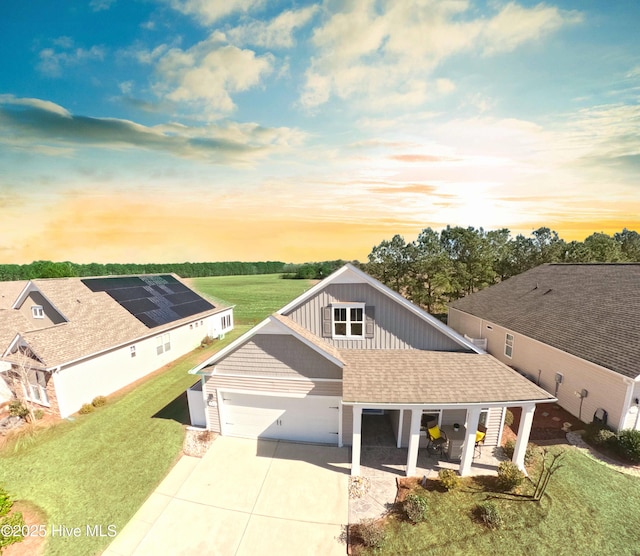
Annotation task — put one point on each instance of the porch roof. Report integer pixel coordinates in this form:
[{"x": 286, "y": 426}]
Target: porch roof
[{"x": 414, "y": 376}]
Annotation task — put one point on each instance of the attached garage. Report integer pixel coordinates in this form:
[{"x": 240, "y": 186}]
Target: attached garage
[{"x": 305, "y": 419}]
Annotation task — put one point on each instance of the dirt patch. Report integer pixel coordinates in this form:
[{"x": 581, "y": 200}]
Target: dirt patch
[
  {"x": 197, "y": 442},
  {"x": 33, "y": 545},
  {"x": 550, "y": 422}
]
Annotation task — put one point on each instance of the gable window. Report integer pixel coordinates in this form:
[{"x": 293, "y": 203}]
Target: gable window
[
  {"x": 163, "y": 343},
  {"x": 508, "y": 345},
  {"x": 348, "y": 320},
  {"x": 37, "y": 312}
]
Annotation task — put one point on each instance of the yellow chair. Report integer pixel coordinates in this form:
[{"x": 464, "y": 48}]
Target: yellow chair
[
  {"x": 481, "y": 434},
  {"x": 437, "y": 439}
]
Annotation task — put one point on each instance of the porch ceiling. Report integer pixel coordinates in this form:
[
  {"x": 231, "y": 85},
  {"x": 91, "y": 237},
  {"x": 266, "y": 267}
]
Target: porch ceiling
[{"x": 415, "y": 376}]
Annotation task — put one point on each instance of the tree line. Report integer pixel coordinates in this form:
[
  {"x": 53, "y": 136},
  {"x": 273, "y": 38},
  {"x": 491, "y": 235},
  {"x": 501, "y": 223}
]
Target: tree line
[
  {"x": 49, "y": 269},
  {"x": 439, "y": 267}
]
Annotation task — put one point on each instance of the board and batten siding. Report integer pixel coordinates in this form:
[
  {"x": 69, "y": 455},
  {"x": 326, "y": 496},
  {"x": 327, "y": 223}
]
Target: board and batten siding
[
  {"x": 541, "y": 362},
  {"x": 394, "y": 326},
  {"x": 259, "y": 385},
  {"x": 277, "y": 355}
]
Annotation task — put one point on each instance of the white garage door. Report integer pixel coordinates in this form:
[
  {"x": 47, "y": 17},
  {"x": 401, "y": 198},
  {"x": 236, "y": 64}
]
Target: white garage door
[{"x": 309, "y": 419}]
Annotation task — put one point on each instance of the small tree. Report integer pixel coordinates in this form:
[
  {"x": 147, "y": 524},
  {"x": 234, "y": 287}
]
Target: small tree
[{"x": 548, "y": 469}]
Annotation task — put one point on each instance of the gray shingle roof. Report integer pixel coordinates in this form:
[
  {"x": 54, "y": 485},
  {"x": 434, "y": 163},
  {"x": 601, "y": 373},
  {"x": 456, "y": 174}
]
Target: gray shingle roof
[
  {"x": 96, "y": 322},
  {"x": 418, "y": 376},
  {"x": 591, "y": 311}
]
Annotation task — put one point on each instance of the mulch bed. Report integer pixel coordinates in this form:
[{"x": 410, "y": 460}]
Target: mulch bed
[{"x": 33, "y": 517}]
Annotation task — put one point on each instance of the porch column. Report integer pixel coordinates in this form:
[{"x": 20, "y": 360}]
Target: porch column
[
  {"x": 469, "y": 444},
  {"x": 355, "y": 443},
  {"x": 414, "y": 442},
  {"x": 526, "y": 420}
]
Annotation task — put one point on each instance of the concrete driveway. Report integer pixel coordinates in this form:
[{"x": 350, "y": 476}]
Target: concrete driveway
[{"x": 245, "y": 497}]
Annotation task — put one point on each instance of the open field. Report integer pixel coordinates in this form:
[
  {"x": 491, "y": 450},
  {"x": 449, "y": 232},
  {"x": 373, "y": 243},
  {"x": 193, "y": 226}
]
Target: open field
[
  {"x": 255, "y": 296},
  {"x": 99, "y": 468}
]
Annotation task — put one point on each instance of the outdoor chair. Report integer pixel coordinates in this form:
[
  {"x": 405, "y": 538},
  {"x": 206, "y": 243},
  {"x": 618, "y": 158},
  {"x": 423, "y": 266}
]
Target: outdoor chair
[
  {"x": 481, "y": 434},
  {"x": 437, "y": 440}
]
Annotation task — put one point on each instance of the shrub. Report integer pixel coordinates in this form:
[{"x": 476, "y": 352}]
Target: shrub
[
  {"x": 86, "y": 408},
  {"x": 371, "y": 533},
  {"x": 489, "y": 514},
  {"x": 508, "y": 418},
  {"x": 509, "y": 476},
  {"x": 592, "y": 431},
  {"x": 629, "y": 445},
  {"x": 38, "y": 414},
  {"x": 99, "y": 401},
  {"x": 529, "y": 454},
  {"x": 604, "y": 437},
  {"x": 5, "y": 502},
  {"x": 14, "y": 521},
  {"x": 449, "y": 479},
  {"x": 415, "y": 507},
  {"x": 18, "y": 409},
  {"x": 207, "y": 340}
]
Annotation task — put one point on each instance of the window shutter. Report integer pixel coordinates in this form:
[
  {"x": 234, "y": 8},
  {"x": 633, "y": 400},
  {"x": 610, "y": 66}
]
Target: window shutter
[
  {"x": 326, "y": 322},
  {"x": 369, "y": 327}
]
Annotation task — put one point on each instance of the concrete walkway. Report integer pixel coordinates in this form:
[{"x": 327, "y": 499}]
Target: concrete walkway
[{"x": 245, "y": 497}]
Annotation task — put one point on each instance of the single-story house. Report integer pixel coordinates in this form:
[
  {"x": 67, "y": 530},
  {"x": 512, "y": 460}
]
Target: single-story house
[
  {"x": 350, "y": 345},
  {"x": 573, "y": 329},
  {"x": 65, "y": 341}
]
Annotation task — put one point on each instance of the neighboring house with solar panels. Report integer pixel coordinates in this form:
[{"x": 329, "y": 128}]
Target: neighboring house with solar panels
[
  {"x": 85, "y": 337},
  {"x": 350, "y": 350},
  {"x": 573, "y": 329}
]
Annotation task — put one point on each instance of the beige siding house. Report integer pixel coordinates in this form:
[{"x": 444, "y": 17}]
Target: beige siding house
[
  {"x": 81, "y": 338},
  {"x": 573, "y": 329},
  {"x": 351, "y": 345}
]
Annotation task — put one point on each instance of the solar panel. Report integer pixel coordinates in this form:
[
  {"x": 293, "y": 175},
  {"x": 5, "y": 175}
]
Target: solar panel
[{"x": 153, "y": 300}]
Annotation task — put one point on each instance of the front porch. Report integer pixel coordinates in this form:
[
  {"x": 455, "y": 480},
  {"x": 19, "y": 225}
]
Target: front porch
[{"x": 391, "y": 440}]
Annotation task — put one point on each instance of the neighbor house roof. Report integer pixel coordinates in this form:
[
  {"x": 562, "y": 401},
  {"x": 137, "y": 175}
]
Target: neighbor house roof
[
  {"x": 411, "y": 376},
  {"x": 591, "y": 311},
  {"x": 96, "y": 322}
]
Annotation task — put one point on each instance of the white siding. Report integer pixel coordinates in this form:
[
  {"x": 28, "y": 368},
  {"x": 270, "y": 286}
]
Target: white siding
[{"x": 102, "y": 375}]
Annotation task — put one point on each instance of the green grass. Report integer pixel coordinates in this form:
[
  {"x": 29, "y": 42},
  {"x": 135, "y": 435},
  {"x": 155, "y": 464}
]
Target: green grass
[
  {"x": 99, "y": 469},
  {"x": 588, "y": 509},
  {"x": 255, "y": 296}
]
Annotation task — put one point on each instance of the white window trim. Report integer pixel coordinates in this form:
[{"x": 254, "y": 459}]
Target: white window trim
[
  {"x": 348, "y": 306},
  {"x": 37, "y": 312},
  {"x": 508, "y": 345}
]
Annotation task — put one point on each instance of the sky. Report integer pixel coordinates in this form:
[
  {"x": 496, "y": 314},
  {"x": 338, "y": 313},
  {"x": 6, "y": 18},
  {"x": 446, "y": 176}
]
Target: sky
[{"x": 208, "y": 130}]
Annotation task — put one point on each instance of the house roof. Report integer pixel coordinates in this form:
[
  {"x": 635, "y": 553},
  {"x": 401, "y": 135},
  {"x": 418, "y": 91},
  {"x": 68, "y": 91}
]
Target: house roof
[
  {"x": 591, "y": 311},
  {"x": 96, "y": 322},
  {"x": 414, "y": 376}
]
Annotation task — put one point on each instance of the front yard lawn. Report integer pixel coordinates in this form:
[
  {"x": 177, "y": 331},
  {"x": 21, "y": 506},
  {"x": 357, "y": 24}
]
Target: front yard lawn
[{"x": 588, "y": 509}]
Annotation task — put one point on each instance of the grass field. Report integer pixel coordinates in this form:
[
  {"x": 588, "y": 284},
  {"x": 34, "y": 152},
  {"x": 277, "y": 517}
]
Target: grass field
[
  {"x": 98, "y": 469},
  {"x": 255, "y": 296},
  {"x": 590, "y": 509}
]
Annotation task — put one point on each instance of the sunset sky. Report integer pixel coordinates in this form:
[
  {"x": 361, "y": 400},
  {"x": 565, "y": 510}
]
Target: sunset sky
[{"x": 209, "y": 130}]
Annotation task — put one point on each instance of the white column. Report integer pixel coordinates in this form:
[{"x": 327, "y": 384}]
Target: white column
[
  {"x": 469, "y": 444},
  {"x": 526, "y": 420},
  {"x": 355, "y": 443},
  {"x": 414, "y": 442},
  {"x": 400, "y": 421}
]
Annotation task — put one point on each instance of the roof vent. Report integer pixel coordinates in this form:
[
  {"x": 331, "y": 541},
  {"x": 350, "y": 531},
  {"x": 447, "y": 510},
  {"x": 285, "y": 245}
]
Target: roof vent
[{"x": 548, "y": 291}]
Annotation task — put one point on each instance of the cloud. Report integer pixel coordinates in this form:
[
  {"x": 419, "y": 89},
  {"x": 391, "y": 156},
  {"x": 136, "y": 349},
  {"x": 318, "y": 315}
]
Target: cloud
[
  {"x": 207, "y": 73},
  {"x": 101, "y": 5},
  {"x": 52, "y": 61},
  {"x": 25, "y": 122},
  {"x": 384, "y": 54},
  {"x": 276, "y": 33},
  {"x": 420, "y": 158},
  {"x": 207, "y": 12}
]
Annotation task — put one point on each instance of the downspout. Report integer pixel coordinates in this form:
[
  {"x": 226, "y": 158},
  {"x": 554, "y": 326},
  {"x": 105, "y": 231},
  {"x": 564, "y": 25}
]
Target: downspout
[{"x": 627, "y": 403}]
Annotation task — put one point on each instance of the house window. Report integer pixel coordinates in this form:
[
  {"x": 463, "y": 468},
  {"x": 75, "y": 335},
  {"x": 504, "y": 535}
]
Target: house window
[
  {"x": 508, "y": 346},
  {"x": 225, "y": 321},
  {"x": 484, "y": 417},
  {"x": 348, "y": 321},
  {"x": 132, "y": 351},
  {"x": 163, "y": 343},
  {"x": 37, "y": 388},
  {"x": 429, "y": 416},
  {"x": 37, "y": 312}
]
